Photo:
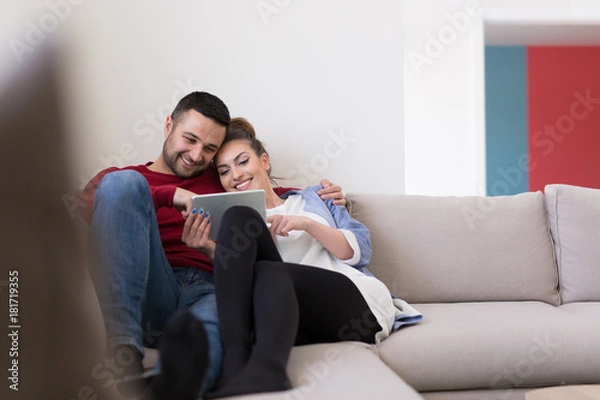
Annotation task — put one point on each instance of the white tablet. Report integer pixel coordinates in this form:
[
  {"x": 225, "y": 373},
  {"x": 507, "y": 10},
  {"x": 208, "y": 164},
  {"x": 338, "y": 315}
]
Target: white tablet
[{"x": 217, "y": 203}]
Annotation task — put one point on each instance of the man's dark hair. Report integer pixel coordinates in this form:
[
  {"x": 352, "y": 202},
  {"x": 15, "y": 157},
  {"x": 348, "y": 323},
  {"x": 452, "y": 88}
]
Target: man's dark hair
[{"x": 206, "y": 104}]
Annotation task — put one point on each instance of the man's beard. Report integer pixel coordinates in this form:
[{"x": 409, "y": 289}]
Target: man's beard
[{"x": 171, "y": 160}]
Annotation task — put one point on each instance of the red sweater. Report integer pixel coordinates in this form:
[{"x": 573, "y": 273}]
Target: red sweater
[{"x": 170, "y": 221}]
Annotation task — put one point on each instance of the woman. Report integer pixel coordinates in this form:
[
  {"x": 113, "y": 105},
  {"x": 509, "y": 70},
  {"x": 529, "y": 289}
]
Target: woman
[{"x": 294, "y": 282}]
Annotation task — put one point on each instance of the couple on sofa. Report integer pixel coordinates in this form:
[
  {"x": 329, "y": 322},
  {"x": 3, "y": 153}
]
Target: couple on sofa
[{"x": 265, "y": 296}]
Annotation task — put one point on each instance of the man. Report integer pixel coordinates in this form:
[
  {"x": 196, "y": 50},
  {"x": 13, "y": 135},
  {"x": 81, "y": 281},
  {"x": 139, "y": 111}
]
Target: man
[{"x": 145, "y": 271}]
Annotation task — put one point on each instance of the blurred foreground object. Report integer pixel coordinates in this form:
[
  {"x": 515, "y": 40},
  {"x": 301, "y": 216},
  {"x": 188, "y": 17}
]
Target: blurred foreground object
[{"x": 47, "y": 300}]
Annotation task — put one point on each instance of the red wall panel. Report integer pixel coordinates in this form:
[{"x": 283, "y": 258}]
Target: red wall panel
[{"x": 564, "y": 116}]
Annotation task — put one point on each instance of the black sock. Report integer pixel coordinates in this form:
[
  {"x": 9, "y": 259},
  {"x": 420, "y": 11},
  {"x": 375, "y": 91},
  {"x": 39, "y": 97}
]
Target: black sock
[
  {"x": 184, "y": 359},
  {"x": 235, "y": 358},
  {"x": 276, "y": 316}
]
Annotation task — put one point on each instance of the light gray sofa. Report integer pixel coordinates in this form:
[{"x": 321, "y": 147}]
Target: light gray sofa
[{"x": 509, "y": 287}]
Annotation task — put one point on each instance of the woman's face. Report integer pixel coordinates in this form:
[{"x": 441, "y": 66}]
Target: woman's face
[{"x": 240, "y": 168}]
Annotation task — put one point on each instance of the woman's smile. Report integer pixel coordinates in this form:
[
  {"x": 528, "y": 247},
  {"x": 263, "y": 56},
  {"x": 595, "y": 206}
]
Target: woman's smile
[{"x": 244, "y": 185}]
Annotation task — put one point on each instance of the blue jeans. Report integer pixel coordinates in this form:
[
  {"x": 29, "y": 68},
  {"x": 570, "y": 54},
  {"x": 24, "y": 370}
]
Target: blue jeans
[{"x": 137, "y": 287}]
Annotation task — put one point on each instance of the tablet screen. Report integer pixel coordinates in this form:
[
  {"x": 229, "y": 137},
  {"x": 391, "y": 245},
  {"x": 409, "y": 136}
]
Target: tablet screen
[{"x": 216, "y": 204}]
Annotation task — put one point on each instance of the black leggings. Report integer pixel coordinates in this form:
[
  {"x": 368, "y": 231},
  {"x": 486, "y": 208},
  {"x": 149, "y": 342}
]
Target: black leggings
[{"x": 267, "y": 305}]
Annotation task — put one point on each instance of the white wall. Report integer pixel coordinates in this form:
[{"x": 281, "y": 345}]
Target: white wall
[
  {"x": 302, "y": 71},
  {"x": 321, "y": 81},
  {"x": 559, "y": 12},
  {"x": 443, "y": 83}
]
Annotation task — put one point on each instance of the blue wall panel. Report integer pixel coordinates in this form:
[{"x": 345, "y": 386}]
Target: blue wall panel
[{"x": 506, "y": 120}]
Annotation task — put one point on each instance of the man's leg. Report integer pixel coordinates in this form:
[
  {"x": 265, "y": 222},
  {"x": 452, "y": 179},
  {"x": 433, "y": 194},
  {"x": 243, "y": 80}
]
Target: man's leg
[
  {"x": 184, "y": 356},
  {"x": 190, "y": 347},
  {"x": 130, "y": 263},
  {"x": 198, "y": 296}
]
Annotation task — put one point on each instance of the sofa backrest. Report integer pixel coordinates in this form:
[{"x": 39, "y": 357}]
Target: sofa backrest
[
  {"x": 574, "y": 219},
  {"x": 450, "y": 249}
]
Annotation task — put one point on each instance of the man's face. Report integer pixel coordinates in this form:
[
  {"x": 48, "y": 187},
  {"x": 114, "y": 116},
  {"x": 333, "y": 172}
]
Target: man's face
[{"x": 191, "y": 144}]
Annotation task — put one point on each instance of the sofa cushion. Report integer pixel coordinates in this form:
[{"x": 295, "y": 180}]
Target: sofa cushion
[
  {"x": 494, "y": 345},
  {"x": 439, "y": 249},
  {"x": 498, "y": 394},
  {"x": 347, "y": 370},
  {"x": 574, "y": 218},
  {"x": 587, "y": 309}
]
